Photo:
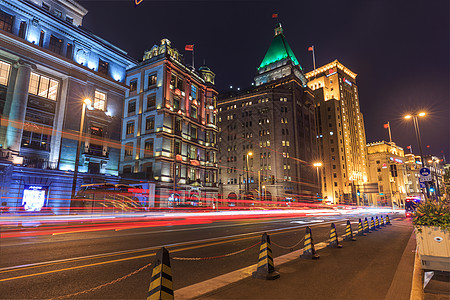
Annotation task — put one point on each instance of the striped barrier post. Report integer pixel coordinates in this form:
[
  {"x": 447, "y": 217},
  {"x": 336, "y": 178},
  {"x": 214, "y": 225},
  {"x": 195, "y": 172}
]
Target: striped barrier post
[
  {"x": 360, "y": 229},
  {"x": 382, "y": 221},
  {"x": 265, "y": 268},
  {"x": 372, "y": 225},
  {"x": 309, "y": 251},
  {"x": 161, "y": 283},
  {"x": 388, "y": 221},
  {"x": 349, "y": 232},
  {"x": 334, "y": 243},
  {"x": 377, "y": 222},
  {"x": 366, "y": 226}
]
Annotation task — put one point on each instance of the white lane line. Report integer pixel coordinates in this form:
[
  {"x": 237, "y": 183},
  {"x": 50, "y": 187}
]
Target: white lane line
[{"x": 151, "y": 248}]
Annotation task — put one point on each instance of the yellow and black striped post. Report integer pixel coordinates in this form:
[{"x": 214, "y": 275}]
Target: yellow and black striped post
[
  {"x": 334, "y": 243},
  {"x": 377, "y": 222},
  {"x": 308, "y": 249},
  {"x": 349, "y": 232},
  {"x": 161, "y": 282},
  {"x": 366, "y": 226},
  {"x": 382, "y": 221},
  {"x": 372, "y": 225},
  {"x": 388, "y": 221},
  {"x": 265, "y": 268},
  {"x": 360, "y": 229}
]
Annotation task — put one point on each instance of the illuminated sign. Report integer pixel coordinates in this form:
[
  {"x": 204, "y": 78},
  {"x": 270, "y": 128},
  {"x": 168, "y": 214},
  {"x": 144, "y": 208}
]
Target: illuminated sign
[
  {"x": 328, "y": 75},
  {"x": 347, "y": 82},
  {"x": 34, "y": 197}
]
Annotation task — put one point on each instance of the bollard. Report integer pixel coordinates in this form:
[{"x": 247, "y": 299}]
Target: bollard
[
  {"x": 265, "y": 268},
  {"x": 334, "y": 243},
  {"x": 366, "y": 226},
  {"x": 382, "y": 221},
  {"x": 372, "y": 225},
  {"x": 349, "y": 232},
  {"x": 388, "y": 221},
  {"x": 377, "y": 222},
  {"x": 309, "y": 251},
  {"x": 360, "y": 229},
  {"x": 161, "y": 283}
]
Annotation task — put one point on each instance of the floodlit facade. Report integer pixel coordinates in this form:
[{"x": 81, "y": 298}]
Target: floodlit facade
[
  {"x": 268, "y": 135},
  {"x": 49, "y": 65},
  {"x": 169, "y": 128},
  {"x": 340, "y": 134},
  {"x": 413, "y": 165},
  {"x": 387, "y": 168}
]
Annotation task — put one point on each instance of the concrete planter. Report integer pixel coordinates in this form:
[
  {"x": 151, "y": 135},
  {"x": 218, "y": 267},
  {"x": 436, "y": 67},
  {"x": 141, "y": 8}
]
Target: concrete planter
[{"x": 433, "y": 245}]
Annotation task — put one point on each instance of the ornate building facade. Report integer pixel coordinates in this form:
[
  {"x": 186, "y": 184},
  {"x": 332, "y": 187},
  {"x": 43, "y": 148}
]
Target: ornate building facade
[
  {"x": 49, "y": 66},
  {"x": 169, "y": 128},
  {"x": 341, "y": 135},
  {"x": 268, "y": 135}
]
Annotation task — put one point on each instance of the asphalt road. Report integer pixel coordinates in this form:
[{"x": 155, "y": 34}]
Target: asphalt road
[{"x": 50, "y": 266}]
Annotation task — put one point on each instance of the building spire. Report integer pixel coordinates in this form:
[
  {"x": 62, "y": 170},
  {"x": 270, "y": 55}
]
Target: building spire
[{"x": 278, "y": 29}]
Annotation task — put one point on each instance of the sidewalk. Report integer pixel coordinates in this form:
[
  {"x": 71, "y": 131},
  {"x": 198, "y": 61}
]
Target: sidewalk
[{"x": 377, "y": 266}]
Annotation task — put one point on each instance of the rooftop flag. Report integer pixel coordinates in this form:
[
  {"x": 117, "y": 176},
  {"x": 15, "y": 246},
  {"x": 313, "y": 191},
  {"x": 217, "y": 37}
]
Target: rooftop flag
[
  {"x": 310, "y": 48},
  {"x": 274, "y": 16},
  {"x": 189, "y": 48},
  {"x": 386, "y": 125}
]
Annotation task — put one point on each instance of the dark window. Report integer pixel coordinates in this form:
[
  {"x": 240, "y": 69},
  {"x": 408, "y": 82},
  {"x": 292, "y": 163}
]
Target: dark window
[
  {"x": 69, "y": 20},
  {"x": 69, "y": 51},
  {"x": 148, "y": 148},
  {"x": 36, "y": 140},
  {"x": 22, "y": 29},
  {"x": 150, "y": 124},
  {"x": 128, "y": 150},
  {"x": 131, "y": 107},
  {"x": 152, "y": 80},
  {"x": 45, "y": 6},
  {"x": 193, "y": 112},
  {"x": 176, "y": 104},
  {"x": 6, "y": 21},
  {"x": 177, "y": 147},
  {"x": 193, "y": 132},
  {"x": 41, "y": 39},
  {"x": 55, "y": 44},
  {"x": 151, "y": 101},
  {"x": 178, "y": 125},
  {"x": 127, "y": 170},
  {"x": 58, "y": 13},
  {"x": 130, "y": 128},
  {"x": 133, "y": 85},
  {"x": 103, "y": 67}
]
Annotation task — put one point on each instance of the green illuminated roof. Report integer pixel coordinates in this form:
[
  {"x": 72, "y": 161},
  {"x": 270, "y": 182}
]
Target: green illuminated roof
[{"x": 279, "y": 49}]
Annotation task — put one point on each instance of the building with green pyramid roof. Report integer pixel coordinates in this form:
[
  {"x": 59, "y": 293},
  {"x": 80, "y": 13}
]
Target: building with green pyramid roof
[{"x": 279, "y": 61}]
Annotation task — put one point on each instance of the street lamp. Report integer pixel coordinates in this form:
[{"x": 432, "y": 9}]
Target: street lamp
[
  {"x": 86, "y": 102},
  {"x": 317, "y": 165},
  {"x": 419, "y": 141},
  {"x": 247, "y": 183}
]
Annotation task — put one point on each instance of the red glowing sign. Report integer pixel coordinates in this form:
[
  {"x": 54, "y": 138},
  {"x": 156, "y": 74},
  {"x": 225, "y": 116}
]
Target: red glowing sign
[
  {"x": 177, "y": 92},
  {"x": 195, "y": 162},
  {"x": 178, "y": 157}
]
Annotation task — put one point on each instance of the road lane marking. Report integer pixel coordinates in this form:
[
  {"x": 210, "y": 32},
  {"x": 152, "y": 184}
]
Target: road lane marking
[{"x": 224, "y": 240}]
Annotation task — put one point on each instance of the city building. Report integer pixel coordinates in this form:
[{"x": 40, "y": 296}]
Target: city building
[
  {"x": 412, "y": 166},
  {"x": 169, "y": 128},
  {"x": 268, "y": 135},
  {"x": 53, "y": 75},
  {"x": 387, "y": 168},
  {"x": 341, "y": 135},
  {"x": 437, "y": 185}
]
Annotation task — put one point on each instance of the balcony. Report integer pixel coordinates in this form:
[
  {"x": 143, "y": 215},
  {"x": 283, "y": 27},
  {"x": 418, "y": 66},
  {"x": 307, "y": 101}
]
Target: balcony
[{"x": 39, "y": 163}]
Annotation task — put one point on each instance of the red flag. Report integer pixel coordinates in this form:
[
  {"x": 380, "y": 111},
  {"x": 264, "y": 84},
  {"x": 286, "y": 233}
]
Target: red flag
[
  {"x": 408, "y": 147},
  {"x": 310, "y": 48},
  {"x": 386, "y": 125},
  {"x": 274, "y": 16},
  {"x": 189, "y": 48}
]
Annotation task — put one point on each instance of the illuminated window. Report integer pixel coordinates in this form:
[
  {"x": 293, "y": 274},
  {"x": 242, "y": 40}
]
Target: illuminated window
[
  {"x": 131, "y": 107},
  {"x": 148, "y": 148},
  {"x": 22, "y": 29},
  {"x": 130, "y": 128},
  {"x": 133, "y": 85},
  {"x": 6, "y": 21},
  {"x": 152, "y": 80},
  {"x": 43, "y": 86},
  {"x": 128, "y": 150},
  {"x": 4, "y": 73},
  {"x": 193, "y": 92},
  {"x": 100, "y": 100},
  {"x": 150, "y": 123}
]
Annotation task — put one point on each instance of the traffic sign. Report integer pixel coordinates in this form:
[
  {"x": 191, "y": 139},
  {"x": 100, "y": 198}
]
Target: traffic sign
[
  {"x": 425, "y": 172},
  {"x": 422, "y": 185},
  {"x": 425, "y": 178}
]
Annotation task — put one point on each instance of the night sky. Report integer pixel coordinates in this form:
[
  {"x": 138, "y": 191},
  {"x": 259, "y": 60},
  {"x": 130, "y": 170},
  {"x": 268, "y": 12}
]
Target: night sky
[{"x": 399, "y": 49}]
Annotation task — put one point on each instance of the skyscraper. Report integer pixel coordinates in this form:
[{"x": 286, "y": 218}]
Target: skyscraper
[
  {"x": 341, "y": 135},
  {"x": 169, "y": 128},
  {"x": 268, "y": 135}
]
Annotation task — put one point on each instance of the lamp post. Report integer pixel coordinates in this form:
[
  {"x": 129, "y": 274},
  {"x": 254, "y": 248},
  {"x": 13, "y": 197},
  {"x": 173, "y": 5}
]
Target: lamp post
[
  {"x": 317, "y": 165},
  {"x": 86, "y": 102},
  {"x": 247, "y": 186},
  {"x": 419, "y": 140}
]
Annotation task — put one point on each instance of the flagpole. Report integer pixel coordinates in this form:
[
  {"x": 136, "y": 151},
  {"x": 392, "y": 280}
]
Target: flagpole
[
  {"x": 314, "y": 58},
  {"x": 193, "y": 46},
  {"x": 390, "y": 136}
]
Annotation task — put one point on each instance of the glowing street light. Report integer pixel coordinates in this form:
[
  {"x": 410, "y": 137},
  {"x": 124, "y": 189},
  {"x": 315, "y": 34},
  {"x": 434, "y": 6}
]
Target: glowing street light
[
  {"x": 247, "y": 183},
  {"x": 86, "y": 102},
  {"x": 318, "y": 165}
]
